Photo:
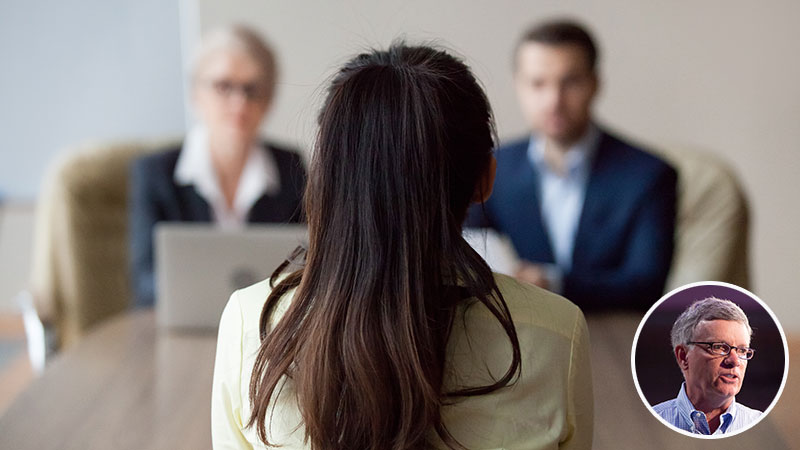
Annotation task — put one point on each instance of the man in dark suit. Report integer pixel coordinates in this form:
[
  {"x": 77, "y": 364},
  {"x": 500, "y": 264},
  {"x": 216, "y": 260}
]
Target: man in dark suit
[{"x": 591, "y": 216}]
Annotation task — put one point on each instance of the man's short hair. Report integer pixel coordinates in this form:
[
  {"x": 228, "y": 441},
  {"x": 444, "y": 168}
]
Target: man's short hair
[
  {"x": 710, "y": 308},
  {"x": 561, "y": 32}
]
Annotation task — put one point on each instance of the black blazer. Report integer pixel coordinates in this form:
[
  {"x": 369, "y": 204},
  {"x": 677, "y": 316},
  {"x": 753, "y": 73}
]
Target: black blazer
[
  {"x": 625, "y": 237},
  {"x": 154, "y": 197}
]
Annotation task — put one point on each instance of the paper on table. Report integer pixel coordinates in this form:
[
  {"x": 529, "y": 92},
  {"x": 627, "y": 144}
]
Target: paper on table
[{"x": 494, "y": 247}]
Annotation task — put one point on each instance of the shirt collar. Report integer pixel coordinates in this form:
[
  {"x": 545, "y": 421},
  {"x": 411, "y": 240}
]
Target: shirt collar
[
  {"x": 687, "y": 411},
  {"x": 578, "y": 156},
  {"x": 194, "y": 167}
]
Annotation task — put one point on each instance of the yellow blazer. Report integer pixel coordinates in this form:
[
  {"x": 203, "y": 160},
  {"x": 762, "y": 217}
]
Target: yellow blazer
[{"x": 549, "y": 406}]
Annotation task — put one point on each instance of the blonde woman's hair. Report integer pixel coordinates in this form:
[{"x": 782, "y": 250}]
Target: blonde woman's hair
[{"x": 239, "y": 38}]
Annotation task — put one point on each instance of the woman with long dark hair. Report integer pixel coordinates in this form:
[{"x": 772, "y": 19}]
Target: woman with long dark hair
[{"x": 394, "y": 333}]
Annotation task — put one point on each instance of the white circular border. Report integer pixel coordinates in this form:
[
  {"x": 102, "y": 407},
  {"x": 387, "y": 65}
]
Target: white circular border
[{"x": 683, "y": 288}]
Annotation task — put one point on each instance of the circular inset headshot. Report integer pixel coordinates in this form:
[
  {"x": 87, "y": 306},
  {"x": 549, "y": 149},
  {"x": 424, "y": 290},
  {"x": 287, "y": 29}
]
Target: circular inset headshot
[{"x": 709, "y": 359}]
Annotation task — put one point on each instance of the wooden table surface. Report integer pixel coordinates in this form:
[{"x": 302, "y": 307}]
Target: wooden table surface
[
  {"x": 127, "y": 385},
  {"x": 130, "y": 386}
]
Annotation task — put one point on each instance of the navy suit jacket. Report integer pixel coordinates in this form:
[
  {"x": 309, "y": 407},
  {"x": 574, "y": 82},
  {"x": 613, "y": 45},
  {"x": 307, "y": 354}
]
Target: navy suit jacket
[
  {"x": 154, "y": 197},
  {"x": 625, "y": 237}
]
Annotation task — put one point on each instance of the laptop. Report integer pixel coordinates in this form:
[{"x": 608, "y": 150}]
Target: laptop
[{"x": 199, "y": 265}]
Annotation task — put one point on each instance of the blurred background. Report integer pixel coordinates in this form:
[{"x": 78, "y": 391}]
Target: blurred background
[
  {"x": 713, "y": 78},
  {"x": 716, "y": 76}
]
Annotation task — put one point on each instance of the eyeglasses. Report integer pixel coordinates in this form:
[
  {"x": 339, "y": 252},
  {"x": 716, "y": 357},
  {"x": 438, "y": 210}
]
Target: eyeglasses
[
  {"x": 250, "y": 91},
  {"x": 723, "y": 349}
]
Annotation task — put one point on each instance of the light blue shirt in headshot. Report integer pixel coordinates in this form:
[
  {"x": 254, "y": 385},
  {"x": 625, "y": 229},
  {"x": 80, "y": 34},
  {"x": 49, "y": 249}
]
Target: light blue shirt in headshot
[
  {"x": 561, "y": 198},
  {"x": 680, "y": 413}
]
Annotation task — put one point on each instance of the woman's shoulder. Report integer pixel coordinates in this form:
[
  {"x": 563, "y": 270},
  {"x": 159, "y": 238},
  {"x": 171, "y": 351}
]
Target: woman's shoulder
[
  {"x": 284, "y": 155},
  {"x": 530, "y": 306},
  {"x": 536, "y": 307},
  {"x": 162, "y": 157},
  {"x": 156, "y": 167},
  {"x": 250, "y": 302}
]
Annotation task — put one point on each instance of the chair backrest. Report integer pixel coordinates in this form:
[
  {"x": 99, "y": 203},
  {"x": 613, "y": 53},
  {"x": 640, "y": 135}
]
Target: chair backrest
[
  {"x": 712, "y": 229},
  {"x": 80, "y": 259}
]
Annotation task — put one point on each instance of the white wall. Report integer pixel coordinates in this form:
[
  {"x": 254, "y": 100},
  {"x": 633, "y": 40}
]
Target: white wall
[
  {"x": 718, "y": 75},
  {"x": 83, "y": 70},
  {"x": 16, "y": 243}
]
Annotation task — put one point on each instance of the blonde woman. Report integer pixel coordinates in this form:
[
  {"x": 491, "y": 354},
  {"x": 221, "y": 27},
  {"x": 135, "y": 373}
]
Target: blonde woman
[{"x": 222, "y": 172}]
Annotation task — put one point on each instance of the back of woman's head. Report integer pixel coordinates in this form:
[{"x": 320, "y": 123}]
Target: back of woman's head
[
  {"x": 409, "y": 126},
  {"x": 405, "y": 136}
]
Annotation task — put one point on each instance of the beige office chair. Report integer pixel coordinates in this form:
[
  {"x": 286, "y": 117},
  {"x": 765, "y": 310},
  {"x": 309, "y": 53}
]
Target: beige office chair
[
  {"x": 712, "y": 228},
  {"x": 80, "y": 256}
]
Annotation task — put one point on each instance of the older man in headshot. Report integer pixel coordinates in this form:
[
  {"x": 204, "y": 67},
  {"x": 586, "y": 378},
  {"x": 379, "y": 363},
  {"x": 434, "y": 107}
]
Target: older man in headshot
[{"x": 711, "y": 342}]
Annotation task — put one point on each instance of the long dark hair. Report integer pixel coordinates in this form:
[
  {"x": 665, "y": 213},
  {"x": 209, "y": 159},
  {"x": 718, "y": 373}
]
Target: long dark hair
[{"x": 404, "y": 138}]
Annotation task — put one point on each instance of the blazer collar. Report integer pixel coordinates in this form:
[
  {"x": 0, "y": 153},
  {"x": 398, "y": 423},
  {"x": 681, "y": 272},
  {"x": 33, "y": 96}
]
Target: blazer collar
[{"x": 194, "y": 167}]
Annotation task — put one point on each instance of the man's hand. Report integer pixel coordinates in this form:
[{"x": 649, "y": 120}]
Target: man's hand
[{"x": 532, "y": 273}]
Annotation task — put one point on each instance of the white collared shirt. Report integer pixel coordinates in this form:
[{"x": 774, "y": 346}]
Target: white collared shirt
[
  {"x": 681, "y": 413},
  {"x": 259, "y": 176},
  {"x": 561, "y": 198}
]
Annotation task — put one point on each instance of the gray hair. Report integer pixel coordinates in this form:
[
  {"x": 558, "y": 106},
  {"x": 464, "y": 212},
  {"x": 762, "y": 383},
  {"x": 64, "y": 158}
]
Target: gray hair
[
  {"x": 710, "y": 308},
  {"x": 241, "y": 38}
]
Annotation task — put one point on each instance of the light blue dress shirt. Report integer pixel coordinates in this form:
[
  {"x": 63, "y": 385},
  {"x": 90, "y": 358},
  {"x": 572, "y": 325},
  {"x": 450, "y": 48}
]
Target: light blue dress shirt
[
  {"x": 561, "y": 198},
  {"x": 682, "y": 414}
]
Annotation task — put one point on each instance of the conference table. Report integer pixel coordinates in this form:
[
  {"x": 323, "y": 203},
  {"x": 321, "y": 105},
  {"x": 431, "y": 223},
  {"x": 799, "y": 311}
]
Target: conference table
[
  {"x": 126, "y": 385},
  {"x": 130, "y": 385}
]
